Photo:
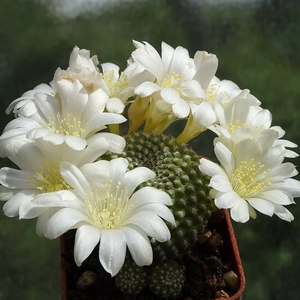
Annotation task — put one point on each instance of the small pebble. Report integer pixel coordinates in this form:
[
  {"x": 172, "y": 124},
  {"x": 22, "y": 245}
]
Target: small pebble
[
  {"x": 232, "y": 280},
  {"x": 221, "y": 294},
  {"x": 204, "y": 236},
  {"x": 86, "y": 279}
]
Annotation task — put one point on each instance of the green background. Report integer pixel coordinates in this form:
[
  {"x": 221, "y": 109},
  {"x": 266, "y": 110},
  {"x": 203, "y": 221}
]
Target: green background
[{"x": 258, "y": 46}]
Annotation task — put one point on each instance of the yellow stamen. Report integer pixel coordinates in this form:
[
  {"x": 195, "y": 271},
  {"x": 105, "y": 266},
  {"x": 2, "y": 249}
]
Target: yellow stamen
[
  {"x": 65, "y": 126},
  {"x": 115, "y": 85},
  {"x": 236, "y": 125},
  {"x": 172, "y": 80},
  {"x": 212, "y": 94},
  {"x": 250, "y": 178},
  {"x": 110, "y": 212},
  {"x": 50, "y": 179}
]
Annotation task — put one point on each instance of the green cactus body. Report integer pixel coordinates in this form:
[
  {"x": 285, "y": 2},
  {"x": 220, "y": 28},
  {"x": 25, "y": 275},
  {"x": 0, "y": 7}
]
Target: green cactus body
[
  {"x": 167, "y": 279},
  {"x": 131, "y": 278},
  {"x": 177, "y": 173}
]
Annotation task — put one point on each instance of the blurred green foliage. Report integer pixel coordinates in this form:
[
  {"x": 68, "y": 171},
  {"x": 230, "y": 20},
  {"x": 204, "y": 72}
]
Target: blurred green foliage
[{"x": 258, "y": 47}]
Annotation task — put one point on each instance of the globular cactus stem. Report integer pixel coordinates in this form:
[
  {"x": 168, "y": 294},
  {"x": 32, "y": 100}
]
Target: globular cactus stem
[
  {"x": 131, "y": 279},
  {"x": 167, "y": 279},
  {"x": 177, "y": 173}
]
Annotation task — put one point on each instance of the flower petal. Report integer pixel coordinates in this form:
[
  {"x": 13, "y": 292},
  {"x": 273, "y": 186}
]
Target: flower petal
[
  {"x": 138, "y": 245},
  {"x": 135, "y": 177},
  {"x": 11, "y": 207},
  {"x": 240, "y": 211},
  {"x": 62, "y": 221},
  {"x": 112, "y": 250},
  {"x": 262, "y": 205},
  {"x": 16, "y": 179},
  {"x": 153, "y": 225},
  {"x": 86, "y": 239}
]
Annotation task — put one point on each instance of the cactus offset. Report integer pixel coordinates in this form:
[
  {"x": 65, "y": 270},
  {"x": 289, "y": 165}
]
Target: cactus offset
[
  {"x": 177, "y": 173},
  {"x": 167, "y": 279},
  {"x": 131, "y": 279}
]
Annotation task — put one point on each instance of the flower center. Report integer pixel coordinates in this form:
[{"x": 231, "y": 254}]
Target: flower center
[
  {"x": 212, "y": 94},
  {"x": 249, "y": 179},
  {"x": 115, "y": 85},
  {"x": 50, "y": 178},
  {"x": 172, "y": 80},
  {"x": 110, "y": 212},
  {"x": 236, "y": 125},
  {"x": 65, "y": 126}
]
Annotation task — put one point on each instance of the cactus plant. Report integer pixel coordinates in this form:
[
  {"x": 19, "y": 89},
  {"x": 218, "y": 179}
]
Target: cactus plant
[{"x": 177, "y": 173}]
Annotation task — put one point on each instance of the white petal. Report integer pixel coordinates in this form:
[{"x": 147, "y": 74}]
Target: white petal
[
  {"x": 180, "y": 59},
  {"x": 181, "y": 109},
  {"x": 169, "y": 95},
  {"x": 11, "y": 207},
  {"x": 42, "y": 220},
  {"x": 38, "y": 132},
  {"x": 240, "y": 211},
  {"x": 112, "y": 250},
  {"x": 210, "y": 168},
  {"x": 146, "y": 89},
  {"x": 281, "y": 172},
  {"x": 290, "y": 186},
  {"x": 283, "y": 213},
  {"x": 48, "y": 105},
  {"x": 99, "y": 121},
  {"x": 74, "y": 142},
  {"x": 118, "y": 167},
  {"x": 96, "y": 147},
  {"x": 116, "y": 143},
  {"x": 263, "y": 206},
  {"x": 227, "y": 200},
  {"x": 220, "y": 183},
  {"x": 204, "y": 114},
  {"x": 153, "y": 225},
  {"x": 206, "y": 65},
  {"x": 6, "y": 193},
  {"x": 226, "y": 157},
  {"x": 16, "y": 179},
  {"x": 156, "y": 208},
  {"x": 192, "y": 89},
  {"x": 150, "y": 195},
  {"x": 62, "y": 221},
  {"x": 135, "y": 177},
  {"x": 138, "y": 245},
  {"x": 115, "y": 105},
  {"x": 276, "y": 196},
  {"x": 96, "y": 173},
  {"x": 86, "y": 239},
  {"x": 74, "y": 177},
  {"x": 149, "y": 59}
]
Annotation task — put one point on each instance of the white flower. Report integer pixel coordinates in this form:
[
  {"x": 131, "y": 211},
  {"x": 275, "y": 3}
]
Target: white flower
[
  {"x": 39, "y": 175},
  {"x": 108, "y": 210},
  {"x": 174, "y": 80},
  {"x": 83, "y": 68},
  {"x": 253, "y": 177},
  {"x": 241, "y": 118},
  {"x": 117, "y": 86},
  {"x": 72, "y": 119},
  {"x": 222, "y": 91},
  {"x": 24, "y": 105}
]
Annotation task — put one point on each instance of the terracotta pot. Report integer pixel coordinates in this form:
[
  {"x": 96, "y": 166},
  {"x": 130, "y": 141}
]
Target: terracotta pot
[{"x": 229, "y": 248}]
